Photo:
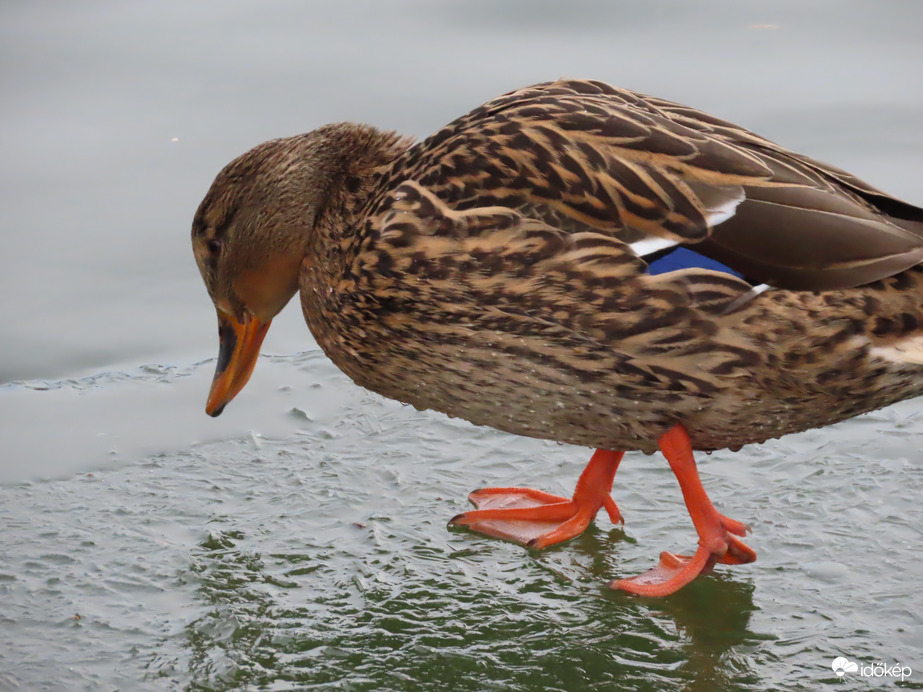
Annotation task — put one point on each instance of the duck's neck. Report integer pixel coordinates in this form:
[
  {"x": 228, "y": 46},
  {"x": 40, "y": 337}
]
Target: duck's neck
[
  {"x": 320, "y": 183},
  {"x": 357, "y": 175},
  {"x": 355, "y": 161}
]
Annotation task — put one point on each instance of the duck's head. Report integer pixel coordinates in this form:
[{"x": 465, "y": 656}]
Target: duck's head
[
  {"x": 249, "y": 237},
  {"x": 252, "y": 231}
]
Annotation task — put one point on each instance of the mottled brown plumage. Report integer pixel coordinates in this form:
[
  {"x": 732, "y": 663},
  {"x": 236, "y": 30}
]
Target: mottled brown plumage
[{"x": 497, "y": 271}]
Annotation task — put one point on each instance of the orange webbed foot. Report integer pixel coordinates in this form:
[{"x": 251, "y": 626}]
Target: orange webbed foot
[
  {"x": 718, "y": 540},
  {"x": 671, "y": 574},
  {"x": 538, "y": 519}
]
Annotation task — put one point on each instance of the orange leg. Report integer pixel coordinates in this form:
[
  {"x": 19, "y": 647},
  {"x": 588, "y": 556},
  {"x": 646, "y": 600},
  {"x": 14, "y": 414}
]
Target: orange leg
[
  {"x": 537, "y": 519},
  {"x": 716, "y": 540}
]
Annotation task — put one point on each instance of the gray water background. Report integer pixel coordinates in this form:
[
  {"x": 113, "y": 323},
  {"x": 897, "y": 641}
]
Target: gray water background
[{"x": 298, "y": 542}]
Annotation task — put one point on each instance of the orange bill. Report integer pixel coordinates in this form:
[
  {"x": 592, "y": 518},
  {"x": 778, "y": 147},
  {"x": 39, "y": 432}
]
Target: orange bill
[{"x": 238, "y": 350}]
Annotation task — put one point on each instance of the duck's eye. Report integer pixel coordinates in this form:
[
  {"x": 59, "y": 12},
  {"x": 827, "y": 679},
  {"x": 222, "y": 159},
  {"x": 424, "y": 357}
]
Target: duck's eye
[{"x": 214, "y": 246}]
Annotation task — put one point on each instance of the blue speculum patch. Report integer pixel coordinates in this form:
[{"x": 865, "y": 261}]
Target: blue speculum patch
[{"x": 684, "y": 258}]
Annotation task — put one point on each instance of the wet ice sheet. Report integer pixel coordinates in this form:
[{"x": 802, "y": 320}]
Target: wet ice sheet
[{"x": 56, "y": 428}]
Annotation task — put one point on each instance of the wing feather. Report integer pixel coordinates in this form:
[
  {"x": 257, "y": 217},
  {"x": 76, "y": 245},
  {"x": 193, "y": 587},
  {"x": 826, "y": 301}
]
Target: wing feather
[{"x": 584, "y": 155}]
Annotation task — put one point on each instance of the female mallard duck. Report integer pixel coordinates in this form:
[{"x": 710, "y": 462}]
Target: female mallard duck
[{"x": 580, "y": 263}]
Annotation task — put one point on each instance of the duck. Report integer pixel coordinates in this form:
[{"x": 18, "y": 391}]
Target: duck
[{"x": 577, "y": 262}]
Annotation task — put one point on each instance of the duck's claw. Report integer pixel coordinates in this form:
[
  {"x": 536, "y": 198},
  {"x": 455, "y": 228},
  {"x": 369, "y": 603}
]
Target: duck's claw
[
  {"x": 733, "y": 526},
  {"x": 738, "y": 553}
]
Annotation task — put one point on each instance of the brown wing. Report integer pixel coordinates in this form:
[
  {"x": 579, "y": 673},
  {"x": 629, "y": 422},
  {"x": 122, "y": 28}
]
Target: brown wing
[
  {"x": 653, "y": 173},
  {"x": 491, "y": 270}
]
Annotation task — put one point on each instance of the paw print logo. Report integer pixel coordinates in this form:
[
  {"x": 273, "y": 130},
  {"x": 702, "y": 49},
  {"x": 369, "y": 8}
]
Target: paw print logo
[{"x": 842, "y": 665}]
